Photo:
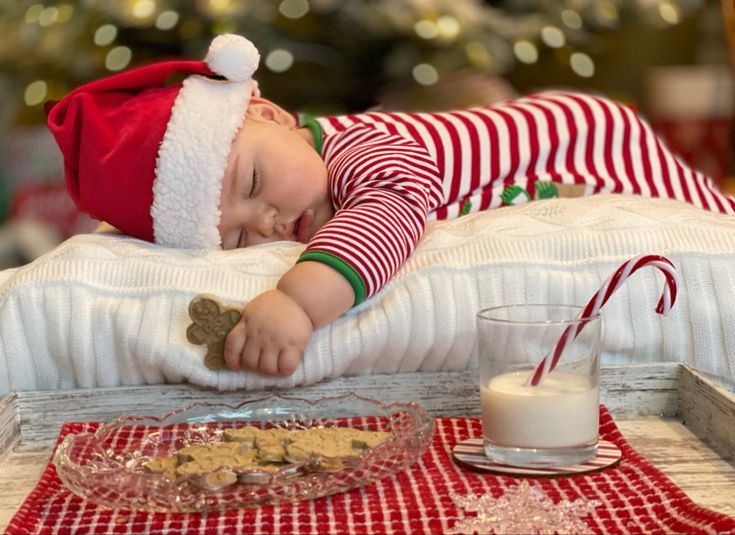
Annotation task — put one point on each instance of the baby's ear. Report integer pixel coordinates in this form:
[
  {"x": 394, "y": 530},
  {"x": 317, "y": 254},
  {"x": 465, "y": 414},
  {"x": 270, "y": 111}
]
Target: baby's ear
[{"x": 267, "y": 110}]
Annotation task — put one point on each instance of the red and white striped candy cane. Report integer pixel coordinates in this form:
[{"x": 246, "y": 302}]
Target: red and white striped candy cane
[{"x": 600, "y": 298}]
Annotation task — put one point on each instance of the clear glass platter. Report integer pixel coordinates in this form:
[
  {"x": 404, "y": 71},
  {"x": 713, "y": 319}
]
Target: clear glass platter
[{"x": 107, "y": 467}]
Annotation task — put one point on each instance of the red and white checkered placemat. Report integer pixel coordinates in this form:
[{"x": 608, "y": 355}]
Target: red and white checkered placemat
[{"x": 632, "y": 497}]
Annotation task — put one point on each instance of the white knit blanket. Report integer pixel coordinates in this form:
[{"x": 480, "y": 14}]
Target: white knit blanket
[{"x": 107, "y": 310}]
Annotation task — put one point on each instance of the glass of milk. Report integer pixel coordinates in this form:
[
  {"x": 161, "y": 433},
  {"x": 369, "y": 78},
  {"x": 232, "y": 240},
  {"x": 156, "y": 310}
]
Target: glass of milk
[{"x": 556, "y": 422}]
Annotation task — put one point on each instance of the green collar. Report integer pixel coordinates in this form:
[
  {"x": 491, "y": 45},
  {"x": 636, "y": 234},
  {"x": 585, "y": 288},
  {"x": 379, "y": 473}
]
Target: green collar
[{"x": 316, "y": 129}]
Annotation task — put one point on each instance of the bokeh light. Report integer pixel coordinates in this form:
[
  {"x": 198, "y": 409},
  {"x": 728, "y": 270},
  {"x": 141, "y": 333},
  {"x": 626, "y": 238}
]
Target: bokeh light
[
  {"x": 48, "y": 16},
  {"x": 105, "y": 34},
  {"x": 35, "y": 93},
  {"x": 426, "y": 29},
  {"x": 167, "y": 20},
  {"x": 669, "y": 12},
  {"x": 607, "y": 12},
  {"x": 118, "y": 58},
  {"x": 552, "y": 37},
  {"x": 525, "y": 51},
  {"x": 448, "y": 27},
  {"x": 571, "y": 19},
  {"x": 219, "y": 6},
  {"x": 293, "y": 9},
  {"x": 279, "y": 60},
  {"x": 425, "y": 74},
  {"x": 64, "y": 14},
  {"x": 33, "y": 13},
  {"x": 478, "y": 54},
  {"x": 142, "y": 9},
  {"x": 582, "y": 65}
]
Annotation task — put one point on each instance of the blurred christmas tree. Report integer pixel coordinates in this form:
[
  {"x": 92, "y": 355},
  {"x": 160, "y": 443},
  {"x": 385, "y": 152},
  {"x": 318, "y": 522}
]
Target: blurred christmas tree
[
  {"x": 329, "y": 56},
  {"x": 320, "y": 54}
]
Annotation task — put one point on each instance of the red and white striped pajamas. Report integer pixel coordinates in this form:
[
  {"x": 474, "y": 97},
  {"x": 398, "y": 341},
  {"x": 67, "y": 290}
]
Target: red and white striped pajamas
[{"x": 391, "y": 172}]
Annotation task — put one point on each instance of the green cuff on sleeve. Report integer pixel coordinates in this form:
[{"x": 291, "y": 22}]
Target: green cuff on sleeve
[{"x": 347, "y": 271}]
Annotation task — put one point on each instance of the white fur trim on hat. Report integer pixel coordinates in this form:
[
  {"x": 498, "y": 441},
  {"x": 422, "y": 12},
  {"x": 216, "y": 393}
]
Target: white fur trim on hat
[{"x": 192, "y": 159}]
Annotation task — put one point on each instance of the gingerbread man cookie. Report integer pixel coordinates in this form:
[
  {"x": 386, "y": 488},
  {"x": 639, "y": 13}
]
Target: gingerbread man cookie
[{"x": 211, "y": 322}]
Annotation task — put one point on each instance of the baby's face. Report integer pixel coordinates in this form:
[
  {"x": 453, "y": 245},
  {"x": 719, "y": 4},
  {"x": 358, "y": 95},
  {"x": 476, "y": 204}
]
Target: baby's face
[{"x": 274, "y": 188}]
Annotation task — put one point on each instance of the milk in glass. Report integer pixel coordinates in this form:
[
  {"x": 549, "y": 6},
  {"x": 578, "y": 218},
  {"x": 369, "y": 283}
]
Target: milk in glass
[{"x": 560, "y": 412}]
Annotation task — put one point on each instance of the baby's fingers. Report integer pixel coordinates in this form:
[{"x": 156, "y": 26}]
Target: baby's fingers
[
  {"x": 268, "y": 364},
  {"x": 288, "y": 360},
  {"x": 250, "y": 355},
  {"x": 234, "y": 345}
]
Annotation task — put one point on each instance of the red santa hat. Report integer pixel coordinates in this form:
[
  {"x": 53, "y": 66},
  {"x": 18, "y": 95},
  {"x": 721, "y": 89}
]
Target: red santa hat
[{"x": 147, "y": 157}]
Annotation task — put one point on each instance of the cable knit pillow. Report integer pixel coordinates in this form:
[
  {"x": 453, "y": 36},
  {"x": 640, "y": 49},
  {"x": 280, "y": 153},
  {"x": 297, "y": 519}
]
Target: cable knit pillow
[{"x": 106, "y": 310}]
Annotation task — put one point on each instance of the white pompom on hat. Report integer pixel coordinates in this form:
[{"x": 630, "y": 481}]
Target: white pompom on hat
[
  {"x": 148, "y": 157},
  {"x": 233, "y": 57}
]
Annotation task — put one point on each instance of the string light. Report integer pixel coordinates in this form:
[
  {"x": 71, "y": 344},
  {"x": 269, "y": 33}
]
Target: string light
[
  {"x": 607, "y": 12},
  {"x": 669, "y": 13},
  {"x": 571, "y": 19},
  {"x": 105, "y": 34},
  {"x": 448, "y": 27},
  {"x": 552, "y": 36},
  {"x": 426, "y": 29},
  {"x": 48, "y": 16},
  {"x": 36, "y": 93},
  {"x": 219, "y": 6},
  {"x": 279, "y": 60},
  {"x": 425, "y": 74},
  {"x": 118, "y": 58},
  {"x": 293, "y": 9},
  {"x": 167, "y": 20},
  {"x": 478, "y": 54},
  {"x": 65, "y": 13},
  {"x": 582, "y": 65},
  {"x": 142, "y": 9},
  {"x": 525, "y": 51},
  {"x": 33, "y": 13}
]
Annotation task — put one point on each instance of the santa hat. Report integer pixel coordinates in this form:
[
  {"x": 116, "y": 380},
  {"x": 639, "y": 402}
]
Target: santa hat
[{"x": 148, "y": 158}]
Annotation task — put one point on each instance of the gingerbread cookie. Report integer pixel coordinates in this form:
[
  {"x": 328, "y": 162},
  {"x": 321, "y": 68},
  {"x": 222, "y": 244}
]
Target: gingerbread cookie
[
  {"x": 211, "y": 323},
  {"x": 249, "y": 454},
  {"x": 245, "y": 435}
]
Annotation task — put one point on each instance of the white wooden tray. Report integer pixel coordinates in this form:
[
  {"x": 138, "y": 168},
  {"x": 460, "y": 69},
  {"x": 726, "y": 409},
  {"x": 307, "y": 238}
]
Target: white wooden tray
[{"x": 678, "y": 419}]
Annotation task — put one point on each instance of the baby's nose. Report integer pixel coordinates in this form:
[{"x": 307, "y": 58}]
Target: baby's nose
[
  {"x": 264, "y": 229},
  {"x": 267, "y": 223}
]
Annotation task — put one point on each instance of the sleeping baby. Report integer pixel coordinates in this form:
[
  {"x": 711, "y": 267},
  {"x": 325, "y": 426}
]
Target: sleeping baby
[{"x": 210, "y": 163}]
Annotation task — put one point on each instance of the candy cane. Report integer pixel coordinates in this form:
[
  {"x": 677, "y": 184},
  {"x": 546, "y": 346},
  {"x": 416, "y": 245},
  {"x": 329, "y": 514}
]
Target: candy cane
[{"x": 600, "y": 298}]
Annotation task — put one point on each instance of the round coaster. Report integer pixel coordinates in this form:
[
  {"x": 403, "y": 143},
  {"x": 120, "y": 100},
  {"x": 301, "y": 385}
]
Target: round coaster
[{"x": 470, "y": 453}]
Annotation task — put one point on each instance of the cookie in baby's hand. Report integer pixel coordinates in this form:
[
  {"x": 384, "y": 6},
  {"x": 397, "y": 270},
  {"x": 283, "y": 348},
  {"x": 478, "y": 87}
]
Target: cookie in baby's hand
[{"x": 211, "y": 323}]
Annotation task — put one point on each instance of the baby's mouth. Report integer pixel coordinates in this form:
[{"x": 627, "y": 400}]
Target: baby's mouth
[{"x": 303, "y": 226}]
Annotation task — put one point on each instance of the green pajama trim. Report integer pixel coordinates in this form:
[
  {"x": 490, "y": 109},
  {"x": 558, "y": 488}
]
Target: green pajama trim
[
  {"x": 466, "y": 207},
  {"x": 316, "y": 129},
  {"x": 345, "y": 269}
]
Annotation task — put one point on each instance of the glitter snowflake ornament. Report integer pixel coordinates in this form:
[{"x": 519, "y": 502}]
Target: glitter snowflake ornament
[{"x": 522, "y": 509}]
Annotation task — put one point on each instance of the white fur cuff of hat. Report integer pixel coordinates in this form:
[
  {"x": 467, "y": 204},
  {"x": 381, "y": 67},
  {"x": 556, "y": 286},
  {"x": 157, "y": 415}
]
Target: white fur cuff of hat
[
  {"x": 233, "y": 57},
  {"x": 192, "y": 160}
]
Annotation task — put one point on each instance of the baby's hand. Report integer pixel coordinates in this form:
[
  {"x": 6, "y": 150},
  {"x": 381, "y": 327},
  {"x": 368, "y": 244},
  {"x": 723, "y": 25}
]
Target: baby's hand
[{"x": 271, "y": 336}]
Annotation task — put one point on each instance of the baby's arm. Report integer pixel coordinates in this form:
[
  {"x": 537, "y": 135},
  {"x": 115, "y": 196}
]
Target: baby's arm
[
  {"x": 276, "y": 325},
  {"x": 386, "y": 186}
]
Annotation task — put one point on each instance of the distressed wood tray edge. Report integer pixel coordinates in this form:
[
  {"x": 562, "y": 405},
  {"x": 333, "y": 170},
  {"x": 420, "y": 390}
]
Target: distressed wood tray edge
[{"x": 31, "y": 420}]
